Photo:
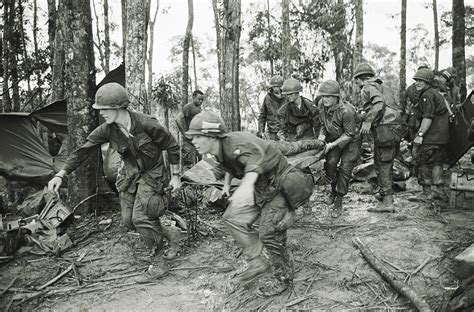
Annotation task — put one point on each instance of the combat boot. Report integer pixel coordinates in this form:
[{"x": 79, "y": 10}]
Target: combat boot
[
  {"x": 173, "y": 234},
  {"x": 439, "y": 193},
  {"x": 425, "y": 196},
  {"x": 336, "y": 210},
  {"x": 385, "y": 206},
  {"x": 256, "y": 266},
  {"x": 331, "y": 198}
]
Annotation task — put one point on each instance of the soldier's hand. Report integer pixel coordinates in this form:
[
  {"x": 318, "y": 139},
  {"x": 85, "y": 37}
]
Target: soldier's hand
[
  {"x": 225, "y": 190},
  {"x": 418, "y": 140},
  {"x": 175, "y": 183},
  {"x": 54, "y": 184},
  {"x": 365, "y": 129},
  {"x": 286, "y": 221}
]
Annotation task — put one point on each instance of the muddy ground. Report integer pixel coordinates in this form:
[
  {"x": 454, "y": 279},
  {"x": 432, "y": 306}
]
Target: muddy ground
[{"x": 116, "y": 274}]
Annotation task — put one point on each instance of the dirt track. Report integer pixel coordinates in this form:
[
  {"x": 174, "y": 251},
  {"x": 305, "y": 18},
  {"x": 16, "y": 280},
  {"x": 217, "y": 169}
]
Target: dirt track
[{"x": 330, "y": 272}]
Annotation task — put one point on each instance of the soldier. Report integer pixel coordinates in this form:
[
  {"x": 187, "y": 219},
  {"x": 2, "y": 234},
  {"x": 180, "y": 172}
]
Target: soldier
[
  {"x": 432, "y": 136},
  {"x": 299, "y": 116},
  {"x": 139, "y": 139},
  {"x": 382, "y": 118},
  {"x": 445, "y": 84},
  {"x": 271, "y": 188},
  {"x": 182, "y": 121},
  {"x": 412, "y": 97},
  {"x": 269, "y": 110},
  {"x": 340, "y": 128}
]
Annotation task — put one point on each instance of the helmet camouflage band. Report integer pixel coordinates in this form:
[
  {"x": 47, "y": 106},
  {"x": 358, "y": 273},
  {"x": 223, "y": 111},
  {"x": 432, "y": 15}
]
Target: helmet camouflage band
[{"x": 208, "y": 124}]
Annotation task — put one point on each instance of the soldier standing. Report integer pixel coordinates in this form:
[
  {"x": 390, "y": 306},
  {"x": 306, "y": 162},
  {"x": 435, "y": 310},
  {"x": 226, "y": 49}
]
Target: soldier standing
[
  {"x": 432, "y": 136},
  {"x": 340, "y": 129},
  {"x": 270, "y": 188},
  {"x": 269, "y": 111},
  {"x": 299, "y": 116},
  {"x": 381, "y": 117},
  {"x": 140, "y": 140}
]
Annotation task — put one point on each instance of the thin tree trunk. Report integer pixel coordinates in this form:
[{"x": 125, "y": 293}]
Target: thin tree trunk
[
  {"x": 359, "y": 37},
  {"x": 124, "y": 28},
  {"x": 80, "y": 85},
  {"x": 285, "y": 39},
  {"x": 57, "y": 66},
  {"x": 23, "y": 42},
  {"x": 230, "y": 62},
  {"x": 459, "y": 45},
  {"x": 194, "y": 63},
  {"x": 217, "y": 25},
  {"x": 51, "y": 27},
  {"x": 436, "y": 34},
  {"x": 138, "y": 14},
  {"x": 403, "y": 54},
  {"x": 106, "y": 37},
  {"x": 150, "y": 54},
  {"x": 98, "y": 44},
  {"x": 14, "y": 61},
  {"x": 269, "y": 37},
  {"x": 6, "y": 99},
  {"x": 185, "y": 63}
]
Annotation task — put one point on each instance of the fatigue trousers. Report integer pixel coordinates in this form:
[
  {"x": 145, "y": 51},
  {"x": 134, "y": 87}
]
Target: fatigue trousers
[
  {"x": 239, "y": 221},
  {"x": 141, "y": 211},
  {"x": 383, "y": 164},
  {"x": 347, "y": 158},
  {"x": 429, "y": 159}
]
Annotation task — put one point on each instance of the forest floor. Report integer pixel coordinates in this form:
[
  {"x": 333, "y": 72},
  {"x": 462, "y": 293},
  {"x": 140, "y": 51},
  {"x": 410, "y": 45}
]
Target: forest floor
[{"x": 418, "y": 244}]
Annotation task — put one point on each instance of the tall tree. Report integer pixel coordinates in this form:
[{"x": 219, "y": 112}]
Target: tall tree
[
  {"x": 138, "y": 13},
  {"x": 58, "y": 61},
  {"x": 51, "y": 27},
  {"x": 436, "y": 34},
  {"x": 359, "y": 37},
  {"x": 269, "y": 37},
  {"x": 194, "y": 64},
  {"x": 186, "y": 43},
  {"x": 403, "y": 53},
  {"x": 459, "y": 54},
  {"x": 106, "y": 36},
  {"x": 217, "y": 26},
  {"x": 150, "y": 53},
  {"x": 80, "y": 85},
  {"x": 6, "y": 55},
  {"x": 285, "y": 38},
  {"x": 124, "y": 27}
]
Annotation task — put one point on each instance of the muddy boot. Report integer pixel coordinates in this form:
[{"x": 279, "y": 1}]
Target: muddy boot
[
  {"x": 331, "y": 198},
  {"x": 173, "y": 234},
  {"x": 336, "y": 210},
  {"x": 424, "y": 197},
  {"x": 439, "y": 193},
  {"x": 256, "y": 266},
  {"x": 385, "y": 206}
]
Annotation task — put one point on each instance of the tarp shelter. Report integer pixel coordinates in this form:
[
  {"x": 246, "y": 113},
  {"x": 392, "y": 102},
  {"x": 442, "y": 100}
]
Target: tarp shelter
[
  {"x": 459, "y": 130},
  {"x": 23, "y": 155}
]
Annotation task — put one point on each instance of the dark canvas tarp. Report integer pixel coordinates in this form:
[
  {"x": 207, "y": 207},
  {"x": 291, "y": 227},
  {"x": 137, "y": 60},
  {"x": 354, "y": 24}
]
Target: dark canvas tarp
[
  {"x": 23, "y": 155},
  {"x": 53, "y": 116},
  {"x": 459, "y": 142}
]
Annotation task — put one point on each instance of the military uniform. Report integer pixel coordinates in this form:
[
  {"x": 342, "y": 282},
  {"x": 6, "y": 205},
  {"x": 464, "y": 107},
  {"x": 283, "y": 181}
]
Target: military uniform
[
  {"x": 337, "y": 121},
  {"x": 184, "y": 119},
  {"x": 242, "y": 153},
  {"x": 380, "y": 108},
  {"x": 269, "y": 116},
  {"x": 143, "y": 177},
  {"x": 431, "y": 154},
  {"x": 299, "y": 123}
]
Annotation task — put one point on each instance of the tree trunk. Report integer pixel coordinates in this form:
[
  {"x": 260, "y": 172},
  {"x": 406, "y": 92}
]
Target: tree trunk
[
  {"x": 13, "y": 58},
  {"x": 52, "y": 16},
  {"x": 138, "y": 14},
  {"x": 185, "y": 64},
  {"x": 6, "y": 99},
  {"x": 57, "y": 66},
  {"x": 230, "y": 63},
  {"x": 194, "y": 64},
  {"x": 436, "y": 34},
  {"x": 217, "y": 25},
  {"x": 39, "y": 80},
  {"x": 23, "y": 42},
  {"x": 269, "y": 37},
  {"x": 342, "y": 48},
  {"x": 459, "y": 54},
  {"x": 98, "y": 45},
  {"x": 106, "y": 37},
  {"x": 124, "y": 28},
  {"x": 285, "y": 39},
  {"x": 150, "y": 55},
  {"x": 359, "y": 37},
  {"x": 403, "y": 54},
  {"x": 80, "y": 85}
]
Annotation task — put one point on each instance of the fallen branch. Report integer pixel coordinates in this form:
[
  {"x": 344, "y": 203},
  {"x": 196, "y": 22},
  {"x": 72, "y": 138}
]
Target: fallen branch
[
  {"x": 191, "y": 268},
  {"x": 298, "y": 300},
  {"x": 116, "y": 277},
  {"x": 54, "y": 280},
  {"x": 399, "y": 286},
  {"x": 9, "y": 285}
]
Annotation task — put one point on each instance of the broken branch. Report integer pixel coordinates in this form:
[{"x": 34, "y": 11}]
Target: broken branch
[{"x": 399, "y": 286}]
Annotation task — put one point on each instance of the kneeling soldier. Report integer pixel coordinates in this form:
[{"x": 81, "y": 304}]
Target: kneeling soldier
[{"x": 271, "y": 188}]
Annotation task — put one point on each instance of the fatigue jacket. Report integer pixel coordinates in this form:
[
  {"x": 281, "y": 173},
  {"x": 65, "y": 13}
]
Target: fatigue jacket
[
  {"x": 379, "y": 105},
  {"x": 141, "y": 152},
  {"x": 432, "y": 105},
  {"x": 269, "y": 113},
  {"x": 338, "y": 120},
  {"x": 291, "y": 117}
]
